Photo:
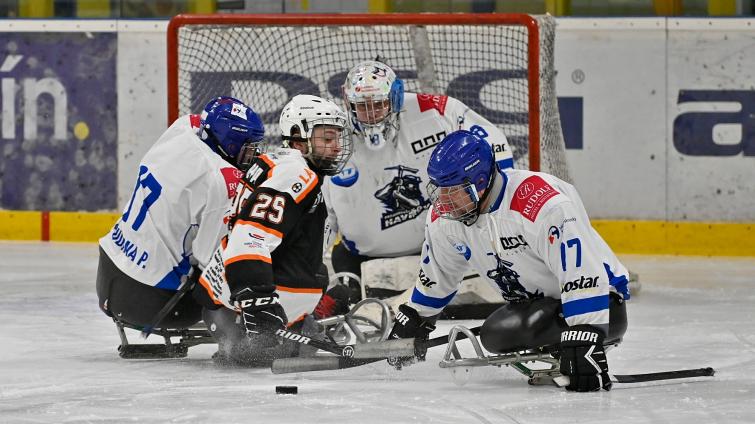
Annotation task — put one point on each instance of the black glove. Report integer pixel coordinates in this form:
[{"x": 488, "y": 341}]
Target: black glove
[
  {"x": 583, "y": 359},
  {"x": 261, "y": 312},
  {"x": 409, "y": 324}
]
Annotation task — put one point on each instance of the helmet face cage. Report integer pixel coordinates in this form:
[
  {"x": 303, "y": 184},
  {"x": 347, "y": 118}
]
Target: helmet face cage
[
  {"x": 329, "y": 146},
  {"x": 458, "y": 202},
  {"x": 374, "y": 97},
  {"x": 323, "y": 126}
]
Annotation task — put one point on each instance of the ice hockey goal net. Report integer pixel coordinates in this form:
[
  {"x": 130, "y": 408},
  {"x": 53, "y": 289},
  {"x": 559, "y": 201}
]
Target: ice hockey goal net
[{"x": 500, "y": 65}]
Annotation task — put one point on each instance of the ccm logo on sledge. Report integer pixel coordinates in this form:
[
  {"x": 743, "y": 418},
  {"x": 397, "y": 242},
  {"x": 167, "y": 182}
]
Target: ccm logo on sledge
[
  {"x": 582, "y": 283},
  {"x": 293, "y": 337},
  {"x": 579, "y": 336}
]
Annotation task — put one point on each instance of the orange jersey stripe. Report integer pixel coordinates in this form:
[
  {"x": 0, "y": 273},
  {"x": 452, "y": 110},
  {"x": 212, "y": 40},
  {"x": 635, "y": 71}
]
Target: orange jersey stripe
[
  {"x": 206, "y": 286},
  {"x": 269, "y": 163},
  {"x": 306, "y": 191},
  {"x": 248, "y": 258},
  {"x": 298, "y": 290},
  {"x": 259, "y": 226}
]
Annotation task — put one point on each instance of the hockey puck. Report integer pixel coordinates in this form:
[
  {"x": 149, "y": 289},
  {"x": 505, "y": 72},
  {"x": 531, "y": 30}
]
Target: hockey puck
[{"x": 286, "y": 390}]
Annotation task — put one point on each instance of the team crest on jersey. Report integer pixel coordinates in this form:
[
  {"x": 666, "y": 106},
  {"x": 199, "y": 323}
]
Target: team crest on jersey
[
  {"x": 553, "y": 234},
  {"x": 508, "y": 281},
  {"x": 402, "y": 197},
  {"x": 347, "y": 177},
  {"x": 460, "y": 247}
]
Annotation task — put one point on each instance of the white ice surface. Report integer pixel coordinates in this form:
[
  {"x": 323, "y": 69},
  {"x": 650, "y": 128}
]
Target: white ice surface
[{"x": 58, "y": 361}]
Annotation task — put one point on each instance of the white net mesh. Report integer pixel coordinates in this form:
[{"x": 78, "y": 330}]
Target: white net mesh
[{"x": 484, "y": 66}]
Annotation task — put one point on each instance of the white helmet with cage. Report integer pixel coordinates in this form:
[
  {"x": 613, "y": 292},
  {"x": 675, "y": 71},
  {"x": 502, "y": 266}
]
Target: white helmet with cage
[
  {"x": 323, "y": 126},
  {"x": 374, "y": 96}
]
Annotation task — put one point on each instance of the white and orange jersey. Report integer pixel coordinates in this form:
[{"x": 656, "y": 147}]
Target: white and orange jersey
[
  {"x": 379, "y": 201},
  {"x": 535, "y": 240},
  {"x": 174, "y": 217},
  {"x": 275, "y": 237}
]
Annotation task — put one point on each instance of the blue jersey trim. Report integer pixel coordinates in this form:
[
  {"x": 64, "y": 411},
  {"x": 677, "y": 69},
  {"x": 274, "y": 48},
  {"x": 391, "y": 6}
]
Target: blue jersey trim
[
  {"x": 433, "y": 302},
  {"x": 351, "y": 247},
  {"x": 172, "y": 281},
  {"x": 585, "y": 306},
  {"x": 619, "y": 282},
  {"x": 506, "y": 163},
  {"x": 498, "y": 201}
]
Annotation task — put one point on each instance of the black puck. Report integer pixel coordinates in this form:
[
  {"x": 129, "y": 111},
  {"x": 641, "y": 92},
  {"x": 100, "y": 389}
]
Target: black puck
[{"x": 286, "y": 390}]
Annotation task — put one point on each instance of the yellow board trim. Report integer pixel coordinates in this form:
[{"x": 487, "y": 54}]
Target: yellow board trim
[
  {"x": 642, "y": 237},
  {"x": 378, "y": 6},
  {"x": 679, "y": 238},
  {"x": 722, "y": 7},
  {"x": 20, "y": 225},
  {"x": 80, "y": 226},
  {"x": 36, "y": 8},
  {"x": 92, "y": 8}
]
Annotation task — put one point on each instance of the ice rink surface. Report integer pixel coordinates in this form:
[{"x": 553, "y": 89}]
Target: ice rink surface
[{"x": 58, "y": 361}]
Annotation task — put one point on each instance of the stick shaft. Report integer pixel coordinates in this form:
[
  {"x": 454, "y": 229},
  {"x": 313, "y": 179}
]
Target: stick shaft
[{"x": 663, "y": 375}]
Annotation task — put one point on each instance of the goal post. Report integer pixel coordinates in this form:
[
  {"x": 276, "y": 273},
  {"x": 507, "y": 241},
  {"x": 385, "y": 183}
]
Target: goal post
[{"x": 500, "y": 65}]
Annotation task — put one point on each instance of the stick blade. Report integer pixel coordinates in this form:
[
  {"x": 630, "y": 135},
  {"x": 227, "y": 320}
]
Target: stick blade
[{"x": 664, "y": 375}]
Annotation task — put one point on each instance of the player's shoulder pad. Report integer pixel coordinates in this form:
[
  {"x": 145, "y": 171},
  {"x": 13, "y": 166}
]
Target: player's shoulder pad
[
  {"x": 532, "y": 193},
  {"x": 289, "y": 174}
]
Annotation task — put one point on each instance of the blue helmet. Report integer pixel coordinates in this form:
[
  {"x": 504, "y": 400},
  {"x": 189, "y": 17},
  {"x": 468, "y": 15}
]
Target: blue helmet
[
  {"x": 461, "y": 160},
  {"x": 231, "y": 128}
]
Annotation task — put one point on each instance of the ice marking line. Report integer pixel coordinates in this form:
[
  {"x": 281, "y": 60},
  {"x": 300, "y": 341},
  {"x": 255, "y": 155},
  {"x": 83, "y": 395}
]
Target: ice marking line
[
  {"x": 479, "y": 417},
  {"x": 505, "y": 415}
]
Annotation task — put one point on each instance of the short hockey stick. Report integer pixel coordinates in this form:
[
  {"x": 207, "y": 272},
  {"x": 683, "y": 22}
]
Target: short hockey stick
[
  {"x": 563, "y": 380},
  {"x": 162, "y": 313},
  {"x": 363, "y": 354}
]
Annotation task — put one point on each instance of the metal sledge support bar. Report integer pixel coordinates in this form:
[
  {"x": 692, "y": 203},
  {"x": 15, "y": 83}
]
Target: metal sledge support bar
[
  {"x": 187, "y": 338},
  {"x": 452, "y": 358}
]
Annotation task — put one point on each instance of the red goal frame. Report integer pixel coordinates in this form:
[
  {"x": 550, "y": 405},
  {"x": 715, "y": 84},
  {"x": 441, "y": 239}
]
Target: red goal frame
[{"x": 533, "y": 46}]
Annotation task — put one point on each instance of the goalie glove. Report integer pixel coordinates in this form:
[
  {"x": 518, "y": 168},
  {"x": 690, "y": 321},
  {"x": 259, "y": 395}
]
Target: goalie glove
[
  {"x": 409, "y": 324},
  {"x": 261, "y": 313},
  {"x": 583, "y": 359}
]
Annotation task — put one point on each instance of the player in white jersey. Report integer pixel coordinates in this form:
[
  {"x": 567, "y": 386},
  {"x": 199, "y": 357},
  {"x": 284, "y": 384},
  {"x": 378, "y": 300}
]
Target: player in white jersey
[
  {"x": 528, "y": 234},
  {"x": 263, "y": 275},
  {"x": 174, "y": 219},
  {"x": 378, "y": 202}
]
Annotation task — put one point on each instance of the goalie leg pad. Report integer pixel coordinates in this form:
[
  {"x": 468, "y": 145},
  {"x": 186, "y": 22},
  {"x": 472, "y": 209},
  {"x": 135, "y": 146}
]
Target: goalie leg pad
[{"x": 388, "y": 277}]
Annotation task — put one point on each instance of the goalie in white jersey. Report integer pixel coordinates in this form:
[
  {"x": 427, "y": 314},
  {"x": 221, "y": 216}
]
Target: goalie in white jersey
[
  {"x": 378, "y": 202},
  {"x": 174, "y": 219},
  {"x": 528, "y": 234}
]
